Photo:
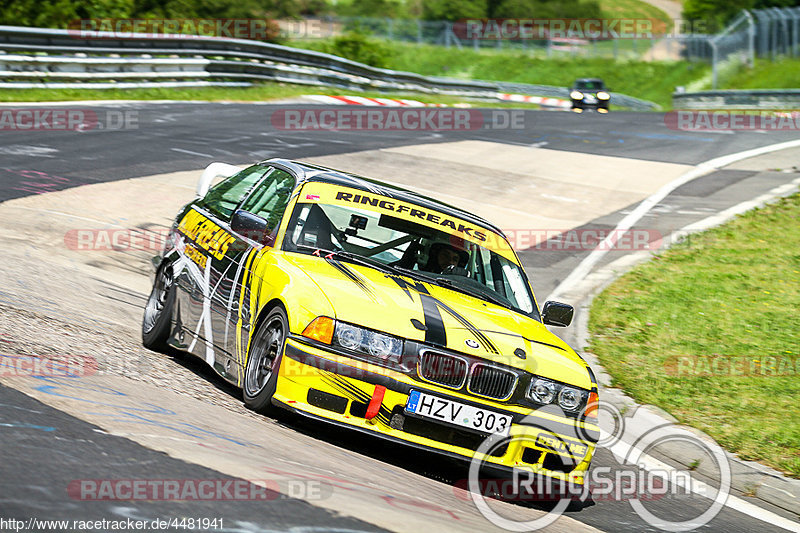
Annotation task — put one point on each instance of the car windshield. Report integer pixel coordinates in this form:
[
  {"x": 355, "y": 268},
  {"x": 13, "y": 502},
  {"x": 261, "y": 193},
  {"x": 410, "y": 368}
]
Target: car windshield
[
  {"x": 589, "y": 85},
  {"x": 410, "y": 240}
]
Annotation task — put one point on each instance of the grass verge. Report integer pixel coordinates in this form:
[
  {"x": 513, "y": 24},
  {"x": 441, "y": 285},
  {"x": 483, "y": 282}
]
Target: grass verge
[
  {"x": 650, "y": 80},
  {"x": 263, "y": 92},
  {"x": 732, "y": 291},
  {"x": 633, "y": 9},
  {"x": 779, "y": 74}
]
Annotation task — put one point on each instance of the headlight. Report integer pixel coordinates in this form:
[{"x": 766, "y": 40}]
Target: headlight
[
  {"x": 367, "y": 341},
  {"x": 545, "y": 391},
  {"x": 542, "y": 391},
  {"x": 576, "y": 95},
  {"x": 348, "y": 336},
  {"x": 602, "y": 95},
  {"x": 570, "y": 399}
]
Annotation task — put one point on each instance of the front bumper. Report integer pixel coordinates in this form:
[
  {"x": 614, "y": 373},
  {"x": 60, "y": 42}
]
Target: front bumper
[
  {"x": 584, "y": 104},
  {"x": 332, "y": 387}
]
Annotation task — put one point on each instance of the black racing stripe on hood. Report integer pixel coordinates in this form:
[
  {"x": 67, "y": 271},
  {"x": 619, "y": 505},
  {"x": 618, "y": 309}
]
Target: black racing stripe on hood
[
  {"x": 354, "y": 277},
  {"x": 435, "y": 332},
  {"x": 402, "y": 284},
  {"x": 483, "y": 339}
]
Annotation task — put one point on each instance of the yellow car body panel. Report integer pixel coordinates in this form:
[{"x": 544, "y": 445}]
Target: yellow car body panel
[
  {"x": 309, "y": 286},
  {"x": 325, "y": 381}
]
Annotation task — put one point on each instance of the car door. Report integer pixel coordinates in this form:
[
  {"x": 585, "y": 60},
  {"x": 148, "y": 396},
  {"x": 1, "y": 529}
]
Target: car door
[
  {"x": 201, "y": 281},
  {"x": 268, "y": 200}
]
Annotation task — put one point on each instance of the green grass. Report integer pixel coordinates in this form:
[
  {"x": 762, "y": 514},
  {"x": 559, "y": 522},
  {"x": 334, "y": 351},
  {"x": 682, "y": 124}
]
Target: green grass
[
  {"x": 258, "y": 93},
  {"x": 734, "y": 291},
  {"x": 654, "y": 81},
  {"x": 781, "y": 74},
  {"x": 633, "y": 9}
]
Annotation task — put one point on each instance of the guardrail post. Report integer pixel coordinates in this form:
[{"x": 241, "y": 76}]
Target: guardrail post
[
  {"x": 714, "y": 59},
  {"x": 751, "y": 39}
]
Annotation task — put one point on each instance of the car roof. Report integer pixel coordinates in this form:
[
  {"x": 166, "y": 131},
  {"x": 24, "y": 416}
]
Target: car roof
[
  {"x": 589, "y": 79},
  {"x": 307, "y": 172}
]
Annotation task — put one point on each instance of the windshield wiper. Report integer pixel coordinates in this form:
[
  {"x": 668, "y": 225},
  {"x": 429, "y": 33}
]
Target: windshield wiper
[
  {"x": 366, "y": 261},
  {"x": 473, "y": 292},
  {"x": 448, "y": 282},
  {"x": 389, "y": 269},
  {"x": 343, "y": 254}
]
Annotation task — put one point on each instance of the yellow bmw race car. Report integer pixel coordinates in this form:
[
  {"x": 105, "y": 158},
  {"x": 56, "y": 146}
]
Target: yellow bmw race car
[{"x": 369, "y": 306}]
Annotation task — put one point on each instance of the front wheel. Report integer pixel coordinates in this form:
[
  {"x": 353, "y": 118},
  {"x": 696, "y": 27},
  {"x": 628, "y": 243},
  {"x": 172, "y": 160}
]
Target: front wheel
[
  {"x": 264, "y": 359},
  {"x": 158, "y": 311}
]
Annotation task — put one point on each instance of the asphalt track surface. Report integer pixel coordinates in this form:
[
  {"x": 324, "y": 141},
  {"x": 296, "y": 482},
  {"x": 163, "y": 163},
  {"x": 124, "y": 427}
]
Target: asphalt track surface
[{"x": 40, "y": 443}]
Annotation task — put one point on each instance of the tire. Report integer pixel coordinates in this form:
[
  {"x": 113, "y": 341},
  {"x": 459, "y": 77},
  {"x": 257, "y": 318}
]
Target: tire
[
  {"x": 264, "y": 360},
  {"x": 158, "y": 311}
]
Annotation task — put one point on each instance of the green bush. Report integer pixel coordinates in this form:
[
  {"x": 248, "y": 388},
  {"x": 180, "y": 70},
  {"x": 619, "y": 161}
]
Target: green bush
[{"x": 356, "y": 46}]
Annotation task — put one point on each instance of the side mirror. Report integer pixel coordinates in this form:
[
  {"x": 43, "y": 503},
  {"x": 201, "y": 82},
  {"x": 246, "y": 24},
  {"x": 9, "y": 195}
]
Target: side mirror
[
  {"x": 251, "y": 226},
  {"x": 557, "y": 314},
  {"x": 212, "y": 172}
]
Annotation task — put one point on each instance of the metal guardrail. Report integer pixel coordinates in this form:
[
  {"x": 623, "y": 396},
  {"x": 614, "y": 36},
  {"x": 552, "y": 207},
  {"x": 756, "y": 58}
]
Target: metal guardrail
[
  {"x": 44, "y": 54},
  {"x": 741, "y": 99}
]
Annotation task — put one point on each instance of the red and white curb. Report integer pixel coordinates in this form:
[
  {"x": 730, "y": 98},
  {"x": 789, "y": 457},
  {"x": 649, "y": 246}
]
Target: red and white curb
[
  {"x": 541, "y": 100},
  {"x": 401, "y": 102},
  {"x": 363, "y": 100}
]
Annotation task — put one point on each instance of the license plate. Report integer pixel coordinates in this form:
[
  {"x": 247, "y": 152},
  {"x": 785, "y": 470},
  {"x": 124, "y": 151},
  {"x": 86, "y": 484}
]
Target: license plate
[
  {"x": 590, "y": 99},
  {"x": 475, "y": 418}
]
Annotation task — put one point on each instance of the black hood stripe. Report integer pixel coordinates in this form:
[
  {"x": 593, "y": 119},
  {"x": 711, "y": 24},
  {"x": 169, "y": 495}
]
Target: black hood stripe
[
  {"x": 354, "y": 277},
  {"x": 435, "y": 332}
]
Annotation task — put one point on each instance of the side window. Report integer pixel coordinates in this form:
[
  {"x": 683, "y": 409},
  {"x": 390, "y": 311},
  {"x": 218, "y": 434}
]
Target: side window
[
  {"x": 223, "y": 198},
  {"x": 270, "y": 199}
]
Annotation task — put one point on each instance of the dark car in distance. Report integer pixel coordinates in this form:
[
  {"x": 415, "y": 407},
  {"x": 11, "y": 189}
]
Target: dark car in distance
[{"x": 589, "y": 93}]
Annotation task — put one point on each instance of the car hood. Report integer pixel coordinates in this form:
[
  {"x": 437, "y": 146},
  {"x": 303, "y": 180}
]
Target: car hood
[{"x": 367, "y": 297}]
